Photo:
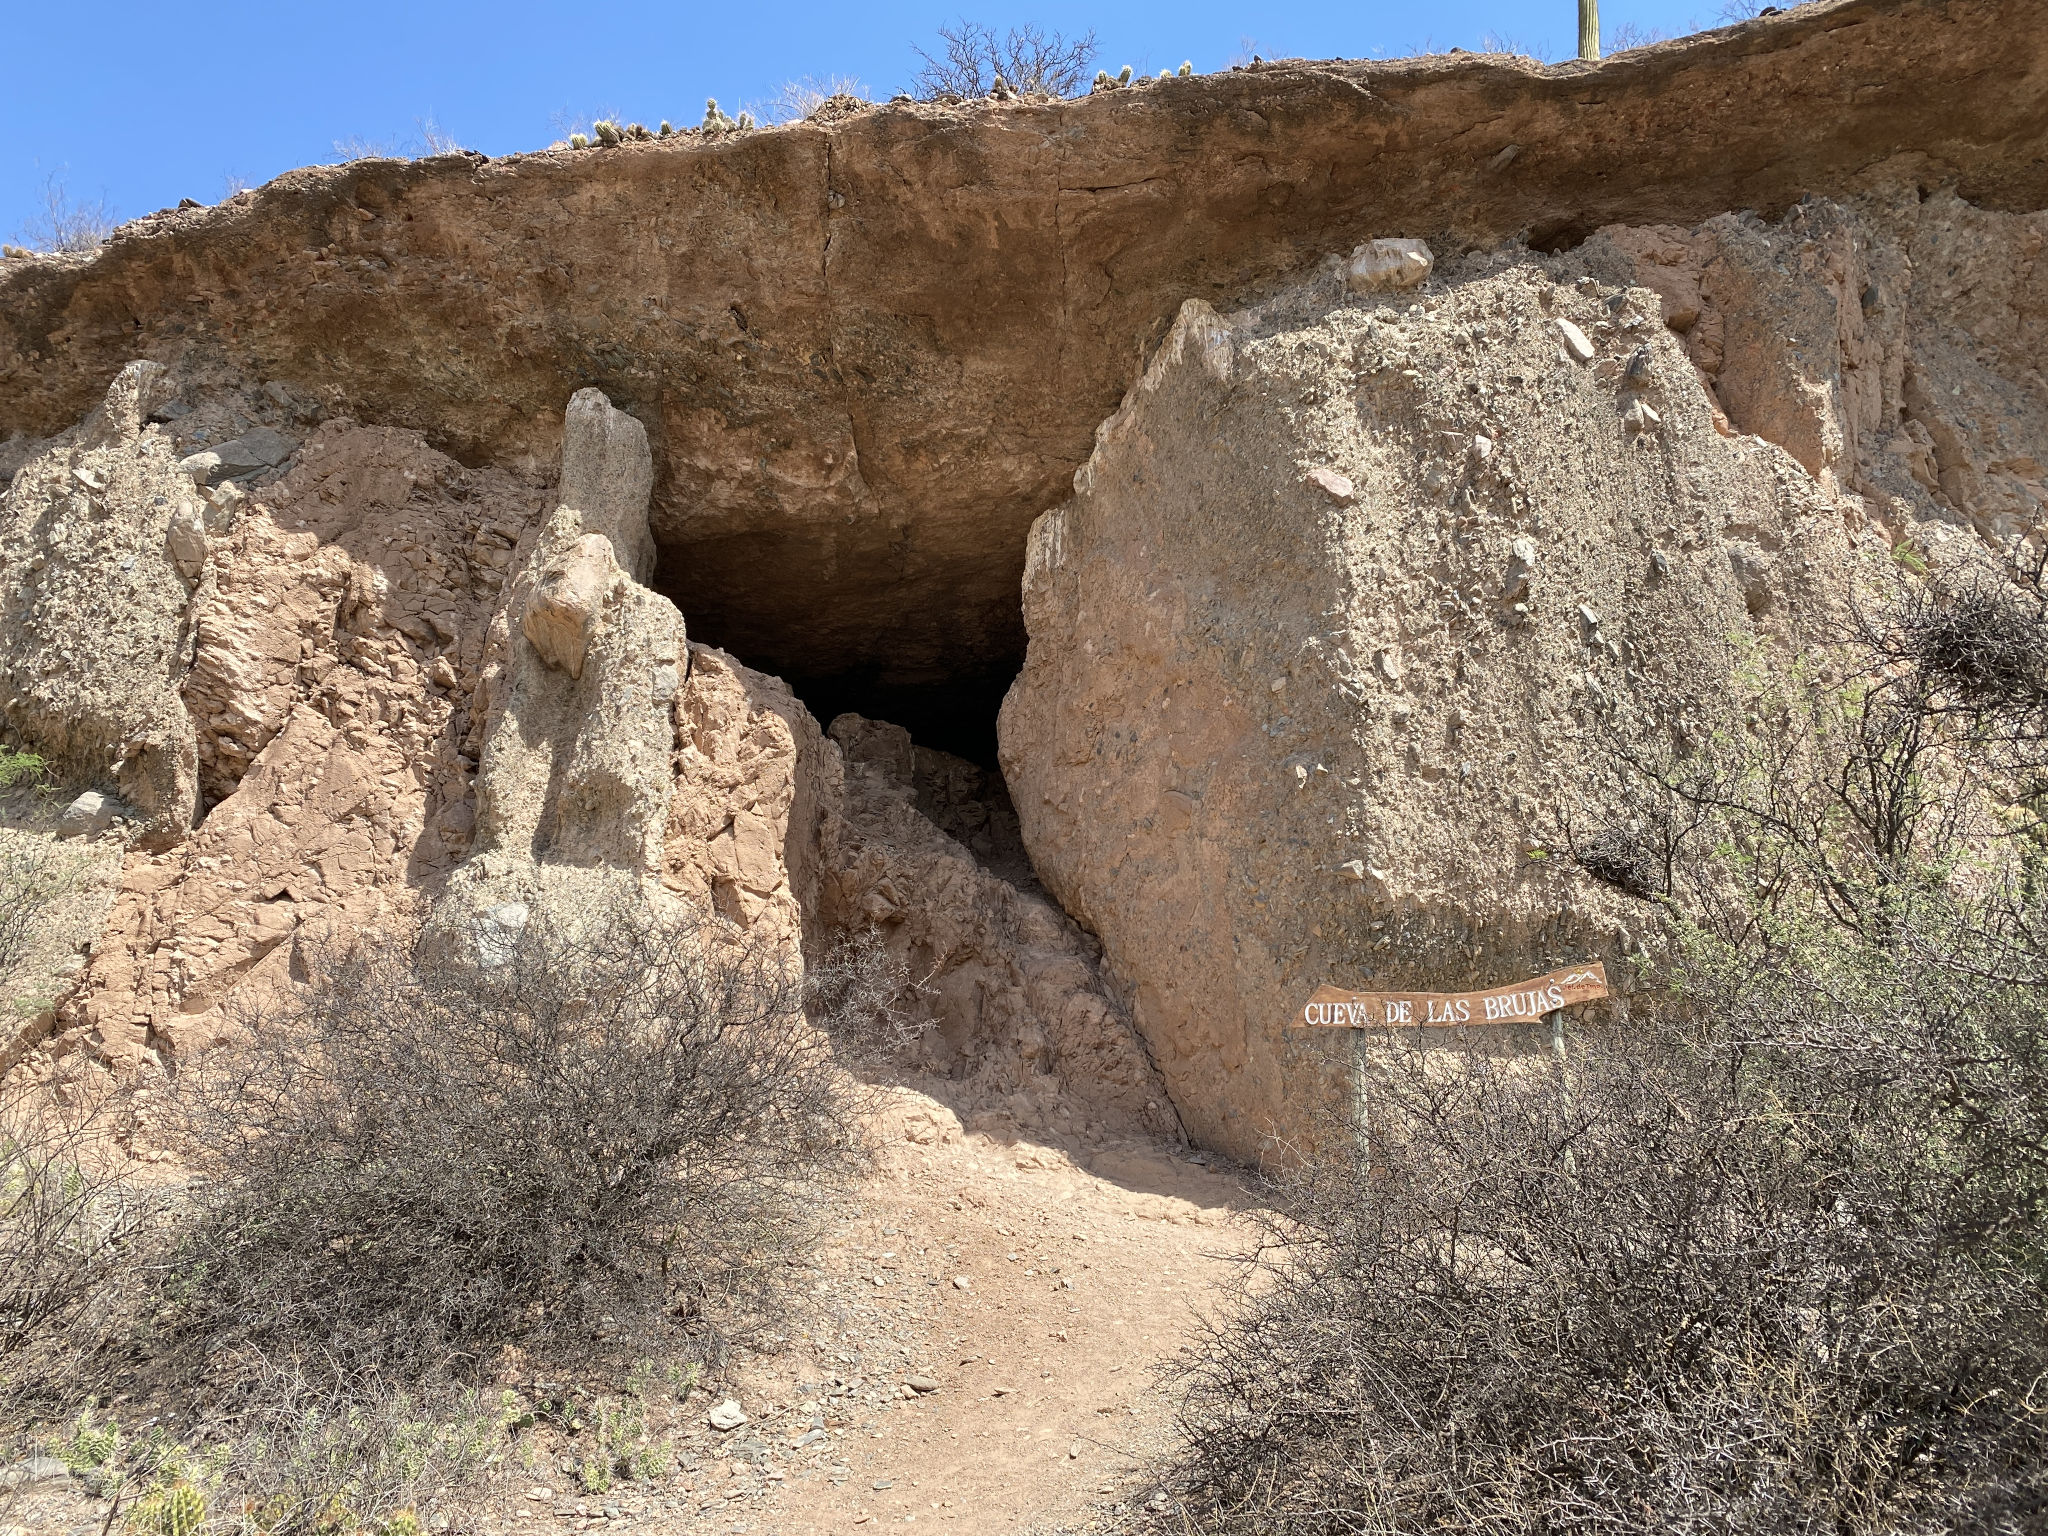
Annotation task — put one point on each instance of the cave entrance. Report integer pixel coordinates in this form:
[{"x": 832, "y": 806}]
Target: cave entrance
[
  {"x": 931, "y": 645},
  {"x": 956, "y": 718},
  {"x": 956, "y": 715},
  {"x": 950, "y": 712}
]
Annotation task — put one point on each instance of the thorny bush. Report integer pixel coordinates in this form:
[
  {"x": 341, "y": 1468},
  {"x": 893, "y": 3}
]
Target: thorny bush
[
  {"x": 1770, "y": 1260},
  {"x": 1029, "y": 60},
  {"x": 72, "y": 1228},
  {"x": 438, "y": 1150},
  {"x": 70, "y": 1224}
]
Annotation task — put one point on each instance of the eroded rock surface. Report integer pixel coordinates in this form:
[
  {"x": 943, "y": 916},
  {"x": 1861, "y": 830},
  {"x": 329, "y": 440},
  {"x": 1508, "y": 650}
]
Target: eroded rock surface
[
  {"x": 1453, "y": 438},
  {"x": 1891, "y": 345},
  {"x": 743, "y": 831},
  {"x": 581, "y": 672},
  {"x": 868, "y": 351},
  {"x": 101, "y": 538},
  {"x": 339, "y": 635},
  {"x": 1330, "y": 648},
  {"x": 1022, "y": 1016}
]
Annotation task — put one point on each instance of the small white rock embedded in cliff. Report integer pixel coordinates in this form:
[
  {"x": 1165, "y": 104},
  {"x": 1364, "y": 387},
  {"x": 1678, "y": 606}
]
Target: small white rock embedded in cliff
[{"x": 1380, "y": 265}]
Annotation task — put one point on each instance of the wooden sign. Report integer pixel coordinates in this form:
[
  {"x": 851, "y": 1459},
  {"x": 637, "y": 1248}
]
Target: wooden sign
[{"x": 1524, "y": 1003}]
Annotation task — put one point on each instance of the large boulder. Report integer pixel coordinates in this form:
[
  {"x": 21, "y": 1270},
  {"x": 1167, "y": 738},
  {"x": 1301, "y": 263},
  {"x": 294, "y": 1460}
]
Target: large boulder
[
  {"x": 1331, "y": 650},
  {"x": 96, "y": 576}
]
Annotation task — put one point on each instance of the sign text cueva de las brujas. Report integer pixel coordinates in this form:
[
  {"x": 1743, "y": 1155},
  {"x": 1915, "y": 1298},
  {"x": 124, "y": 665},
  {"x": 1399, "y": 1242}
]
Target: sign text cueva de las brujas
[{"x": 1524, "y": 1002}]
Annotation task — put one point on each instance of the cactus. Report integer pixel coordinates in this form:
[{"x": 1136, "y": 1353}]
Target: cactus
[
  {"x": 1187, "y": 67},
  {"x": 607, "y": 132},
  {"x": 746, "y": 121},
  {"x": 579, "y": 141},
  {"x": 184, "y": 1511},
  {"x": 665, "y": 129},
  {"x": 1102, "y": 79},
  {"x": 1589, "y": 29},
  {"x": 91, "y": 1445},
  {"x": 1123, "y": 76},
  {"x": 176, "y": 1510}
]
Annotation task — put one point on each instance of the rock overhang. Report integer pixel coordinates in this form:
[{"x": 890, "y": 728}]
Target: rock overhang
[{"x": 868, "y": 353}]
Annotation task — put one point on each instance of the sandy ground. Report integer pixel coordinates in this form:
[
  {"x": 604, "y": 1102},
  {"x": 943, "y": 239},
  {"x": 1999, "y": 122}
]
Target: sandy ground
[
  {"x": 1081, "y": 1276},
  {"x": 974, "y": 1349}
]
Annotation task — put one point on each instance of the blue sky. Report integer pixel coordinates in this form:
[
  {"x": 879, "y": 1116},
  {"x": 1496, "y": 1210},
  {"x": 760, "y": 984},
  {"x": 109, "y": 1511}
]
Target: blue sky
[{"x": 142, "y": 104}]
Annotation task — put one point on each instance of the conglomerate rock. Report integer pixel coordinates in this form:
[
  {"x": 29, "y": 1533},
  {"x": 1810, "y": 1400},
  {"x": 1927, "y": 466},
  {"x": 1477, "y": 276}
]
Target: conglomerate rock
[
  {"x": 1360, "y": 601},
  {"x": 1477, "y": 416},
  {"x": 869, "y": 349},
  {"x": 97, "y": 564}
]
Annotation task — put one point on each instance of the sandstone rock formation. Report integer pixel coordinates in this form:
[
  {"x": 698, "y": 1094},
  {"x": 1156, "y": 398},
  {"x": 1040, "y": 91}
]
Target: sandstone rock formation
[
  {"x": 1473, "y": 413},
  {"x": 1332, "y": 647},
  {"x": 389, "y": 729},
  {"x": 869, "y": 350},
  {"x": 743, "y": 832},
  {"x": 338, "y": 636},
  {"x": 1889, "y": 345}
]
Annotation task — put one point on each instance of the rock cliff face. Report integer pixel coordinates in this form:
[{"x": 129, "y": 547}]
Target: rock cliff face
[
  {"x": 415, "y": 708},
  {"x": 1359, "y": 596},
  {"x": 425, "y": 542},
  {"x": 868, "y": 352}
]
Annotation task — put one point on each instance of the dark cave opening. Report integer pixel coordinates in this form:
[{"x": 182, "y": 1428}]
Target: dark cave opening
[
  {"x": 949, "y": 712},
  {"x": 931, "y": 644},
  {"x": 956, "y": 715}
]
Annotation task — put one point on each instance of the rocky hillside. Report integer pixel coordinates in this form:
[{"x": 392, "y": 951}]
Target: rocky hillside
[{"x": 428, "y": 540}]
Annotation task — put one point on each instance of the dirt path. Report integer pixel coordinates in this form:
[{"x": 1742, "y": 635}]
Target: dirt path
[
  {"x": 1081, "y": 1276},
  {"x": 1016, "y": 1401}
]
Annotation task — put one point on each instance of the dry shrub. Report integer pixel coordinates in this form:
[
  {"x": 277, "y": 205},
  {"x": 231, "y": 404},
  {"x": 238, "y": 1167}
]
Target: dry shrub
[
  {"x": 64, "y": 223},
  {"x": 1624, "y": 858},
  {"x": 1770, "y": 1257},
  {"x": 1028, "y": 59},
  {"x": 801, "y": 99},
  {"x": 1978, "y": 642},
  {"x": 431, "y": 1154},
  {"x": 1769, "y": 1262},
  {"x": 73, "y": 1232},
  {"x": 870, "y": 998},
  {"x": 71, "y": 1225}
]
